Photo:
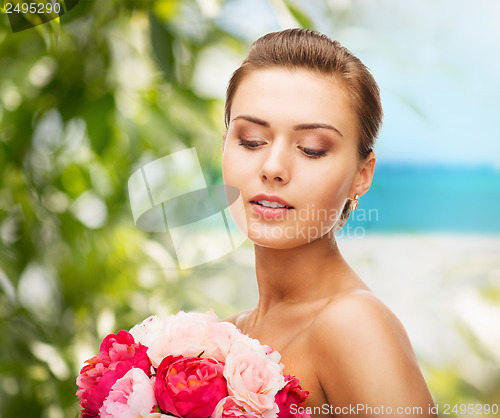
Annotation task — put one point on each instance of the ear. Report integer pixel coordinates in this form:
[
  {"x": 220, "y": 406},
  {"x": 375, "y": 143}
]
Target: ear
[{"x": 364, "y": 176}]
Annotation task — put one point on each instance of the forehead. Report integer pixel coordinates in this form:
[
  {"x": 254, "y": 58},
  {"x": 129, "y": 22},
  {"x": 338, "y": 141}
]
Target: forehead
[{"x": 282, "y": 96}]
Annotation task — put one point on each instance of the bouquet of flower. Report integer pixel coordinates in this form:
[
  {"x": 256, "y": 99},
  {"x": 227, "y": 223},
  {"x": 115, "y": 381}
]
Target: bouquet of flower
[{"x": 187, "y": 365}]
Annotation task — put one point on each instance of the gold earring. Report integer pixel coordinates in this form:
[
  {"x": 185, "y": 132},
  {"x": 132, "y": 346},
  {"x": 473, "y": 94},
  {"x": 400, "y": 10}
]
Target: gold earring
[{"x": 355, "y": 202}]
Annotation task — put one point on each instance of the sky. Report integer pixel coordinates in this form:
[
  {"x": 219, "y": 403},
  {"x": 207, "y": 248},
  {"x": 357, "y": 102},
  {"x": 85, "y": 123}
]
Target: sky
[{"x": 437, "y": 63}]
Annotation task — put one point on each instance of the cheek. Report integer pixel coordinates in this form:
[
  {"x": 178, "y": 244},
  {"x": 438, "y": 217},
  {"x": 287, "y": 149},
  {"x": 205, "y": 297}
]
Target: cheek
[
  {"x": 229, "y": 168},
  {"x": 326, "y": 201},
  {"x": 329, "y": 187},
  {"x": 238, "y": 166},
  {"x": 233, "y": 175},
  {"x": 339, "y": 188}
]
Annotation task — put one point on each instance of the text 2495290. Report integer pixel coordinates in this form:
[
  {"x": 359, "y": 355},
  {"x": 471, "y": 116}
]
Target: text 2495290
[{"x": 33, "y": 8}]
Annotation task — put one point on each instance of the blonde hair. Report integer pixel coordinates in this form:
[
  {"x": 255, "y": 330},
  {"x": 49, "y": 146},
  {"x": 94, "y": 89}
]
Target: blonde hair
[{"x": 305, "y": 49}]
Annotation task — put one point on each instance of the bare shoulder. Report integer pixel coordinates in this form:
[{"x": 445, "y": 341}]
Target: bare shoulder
[
  {"x": 358, "y": 323},
  {"x": 361, "y": 315},
  {"x": 362, "y": 354},
  {"x": 239, "y": 319}
]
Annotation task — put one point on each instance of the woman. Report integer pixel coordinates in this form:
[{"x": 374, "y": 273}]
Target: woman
[{"x": 302, "y": 114}]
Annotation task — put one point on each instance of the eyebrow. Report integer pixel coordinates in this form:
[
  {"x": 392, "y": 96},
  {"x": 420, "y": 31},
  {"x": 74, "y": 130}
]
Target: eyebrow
[
  {"x": 253, "y": 119},
  {"x": 307, "y": 126},
  {"x": 300, "y": 127}
]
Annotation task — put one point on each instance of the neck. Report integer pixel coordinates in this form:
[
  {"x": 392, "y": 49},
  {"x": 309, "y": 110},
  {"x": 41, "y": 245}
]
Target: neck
[{"x": 310, "y": 272}]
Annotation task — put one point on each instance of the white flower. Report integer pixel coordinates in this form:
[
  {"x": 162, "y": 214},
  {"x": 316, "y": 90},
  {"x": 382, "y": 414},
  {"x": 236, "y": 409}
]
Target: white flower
[
  {"x": 183, "y": 334},
  {"x": 148, "y": 330}
]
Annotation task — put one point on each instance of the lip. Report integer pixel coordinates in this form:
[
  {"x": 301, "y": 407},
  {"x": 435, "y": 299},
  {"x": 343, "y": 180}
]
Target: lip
[
  {"x": 270, "y": 213},
  {"x": 271, "y": 198}
]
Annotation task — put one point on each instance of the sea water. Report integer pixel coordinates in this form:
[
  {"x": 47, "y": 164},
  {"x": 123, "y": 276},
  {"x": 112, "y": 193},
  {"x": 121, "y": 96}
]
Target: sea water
[{"x": 431, "y": 198}]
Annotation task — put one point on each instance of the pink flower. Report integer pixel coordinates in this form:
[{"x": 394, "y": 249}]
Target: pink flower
[
  {"x": 188, "y": 335},
  {"x": 223, "y": 335},
  {"x": 132, "y": 396},
  {"x": 190, "y": 387},
  {"x": 117, "y": 355},
  {"x": 254, "y": 377},
  {"x": 291, "y": 394},
  {"x": 184, "y": 334},
  {"x": 159, "y": 415},
  {"x": 230, "y": 407}
]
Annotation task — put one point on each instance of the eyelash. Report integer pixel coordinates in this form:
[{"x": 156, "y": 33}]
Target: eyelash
[
  {"x": 250, "y": 144},
  {"x": 309, "y": 153}
]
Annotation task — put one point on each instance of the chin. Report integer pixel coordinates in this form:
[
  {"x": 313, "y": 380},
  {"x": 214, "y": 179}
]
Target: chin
[
  {"x": 281, "y": 238},
  {"x": 277, "y": 244}
]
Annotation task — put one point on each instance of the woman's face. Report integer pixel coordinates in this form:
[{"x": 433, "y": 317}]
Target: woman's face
[{"x": 291, "y": 150}]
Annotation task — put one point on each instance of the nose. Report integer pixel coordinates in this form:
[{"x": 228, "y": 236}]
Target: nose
[{"x": 276, "y": 166}]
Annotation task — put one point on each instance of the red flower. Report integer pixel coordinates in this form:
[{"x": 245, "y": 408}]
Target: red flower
[
  {"x": 291, "y": 394},
  {"x": 190, "y": 387},
  {"x": 117, "y": 355}
]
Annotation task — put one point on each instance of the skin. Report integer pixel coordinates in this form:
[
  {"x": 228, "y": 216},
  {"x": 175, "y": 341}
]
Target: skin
[{"x": 334, "y": 334}]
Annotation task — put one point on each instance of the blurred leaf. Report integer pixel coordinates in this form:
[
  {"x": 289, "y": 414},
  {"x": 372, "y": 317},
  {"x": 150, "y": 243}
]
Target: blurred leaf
[
  {"x": 99, "y": 117},
  {"x": 162, "y": 42},
  {"x": 108, "y": 120},
  {"x": 303, "y": 20}
]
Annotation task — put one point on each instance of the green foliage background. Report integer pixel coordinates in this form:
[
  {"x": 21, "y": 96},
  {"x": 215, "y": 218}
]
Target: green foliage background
[
  {"x": 86, "y": 101},
  {"x": 92, "y": 98}
]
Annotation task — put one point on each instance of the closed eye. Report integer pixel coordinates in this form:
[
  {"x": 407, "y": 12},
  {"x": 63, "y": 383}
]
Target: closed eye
[
  {"x": 250, "y": 144},
  {"x": 311, "y": 153}
]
